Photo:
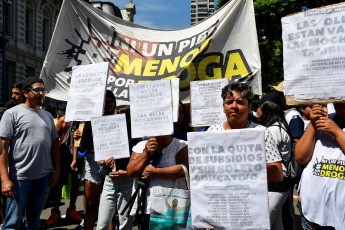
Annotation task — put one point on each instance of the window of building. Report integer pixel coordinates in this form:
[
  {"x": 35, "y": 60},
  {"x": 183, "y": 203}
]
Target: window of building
[
  {"x": 10, "y": 76},
  {"x": 8, "y": 19},
  {"x": 46, "y": 29},
  {"x": 29, "y": 24},
  {"x": 30, "y": 72},
  {"x": 46, "y": 34},
  {"x": 202, "y": 10}
]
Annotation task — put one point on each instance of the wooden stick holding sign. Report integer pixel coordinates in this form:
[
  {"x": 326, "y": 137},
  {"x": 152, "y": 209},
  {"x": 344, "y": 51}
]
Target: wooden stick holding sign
[{"x": 81, "y": 129}]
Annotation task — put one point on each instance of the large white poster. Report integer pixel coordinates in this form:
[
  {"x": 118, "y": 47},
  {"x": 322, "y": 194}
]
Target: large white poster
[
  {"x": 206, "y": 102},
  {"x": 228, "y": 179},
  {"x": 151, "y": 108},
  {"x": 87, "y": 91},
  {"x": 314, "y": 54},
  {"x": 110, "y": 138}
]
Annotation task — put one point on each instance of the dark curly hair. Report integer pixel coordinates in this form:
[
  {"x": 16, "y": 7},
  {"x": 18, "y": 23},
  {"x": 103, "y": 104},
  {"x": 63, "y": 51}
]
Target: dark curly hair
[{"x": 244, "y": 89}]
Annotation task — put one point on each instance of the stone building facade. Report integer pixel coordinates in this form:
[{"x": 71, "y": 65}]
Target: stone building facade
[{"x": 28, "y": 26}]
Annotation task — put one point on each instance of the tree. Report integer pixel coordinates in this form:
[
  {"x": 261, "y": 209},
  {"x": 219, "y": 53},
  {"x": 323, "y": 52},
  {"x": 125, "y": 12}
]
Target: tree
[{"x": 268, "y": 14}]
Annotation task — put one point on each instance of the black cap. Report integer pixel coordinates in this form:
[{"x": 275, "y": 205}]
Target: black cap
[
  {"x": 272, "y": 97},
  {"x": 30, "y": 81}
]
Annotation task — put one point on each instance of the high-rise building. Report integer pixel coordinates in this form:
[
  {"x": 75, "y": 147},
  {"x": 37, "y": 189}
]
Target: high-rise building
[{"x": 201, "y": 9}]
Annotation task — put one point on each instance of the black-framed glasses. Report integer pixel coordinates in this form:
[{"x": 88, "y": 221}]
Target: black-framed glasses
[
  {"x": 38, "y": 90},
  {"x": 16, "y": 93}
]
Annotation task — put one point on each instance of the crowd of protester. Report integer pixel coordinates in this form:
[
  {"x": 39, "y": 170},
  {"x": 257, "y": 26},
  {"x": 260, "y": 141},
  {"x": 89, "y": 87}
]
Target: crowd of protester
[{"x": 39, "y": 153}]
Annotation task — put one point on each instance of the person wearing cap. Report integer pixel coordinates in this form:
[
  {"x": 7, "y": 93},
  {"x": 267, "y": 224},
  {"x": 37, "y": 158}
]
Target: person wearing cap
[
  {"x": 30, "y": 160},
  {"x": 237, "y": 106},
  {"x": 292, "y": 116}
]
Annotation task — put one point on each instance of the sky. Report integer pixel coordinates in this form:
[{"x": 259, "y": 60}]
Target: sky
[{"x": 160, "y": 14}]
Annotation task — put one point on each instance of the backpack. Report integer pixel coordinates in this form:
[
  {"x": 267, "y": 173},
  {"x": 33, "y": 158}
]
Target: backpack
[
  {"x": 66, "y": 145},
  {"x": 294, "y": 169}
]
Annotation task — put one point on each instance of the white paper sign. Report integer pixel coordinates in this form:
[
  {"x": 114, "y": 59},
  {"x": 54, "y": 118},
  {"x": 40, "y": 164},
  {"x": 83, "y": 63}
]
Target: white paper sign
[
  {"x": 175, "y": 92},
  {"x": 151, "y": 108},
  {"x": 87, "y": 91},
  {"x": 228, "y": 179},
  {"x": 206, "y": 102},
  {"x": 314, "y": 54},
  {"x": 110, "y": 137}
]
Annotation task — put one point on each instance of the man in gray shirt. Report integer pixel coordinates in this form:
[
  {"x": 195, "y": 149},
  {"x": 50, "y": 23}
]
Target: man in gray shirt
[{"x": 30, "y": 160}]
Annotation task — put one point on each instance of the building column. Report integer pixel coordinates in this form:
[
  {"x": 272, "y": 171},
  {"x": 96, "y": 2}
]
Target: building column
[{"x": 130, "y": 8}]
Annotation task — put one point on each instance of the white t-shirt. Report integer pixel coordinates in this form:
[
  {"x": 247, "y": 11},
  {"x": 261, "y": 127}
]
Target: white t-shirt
[
  {"x": 168, "y": 159},
  {"x": 283, "y": 142},
  {"x": 322, "y": 184},
  {"x": 271, "y": 150}
]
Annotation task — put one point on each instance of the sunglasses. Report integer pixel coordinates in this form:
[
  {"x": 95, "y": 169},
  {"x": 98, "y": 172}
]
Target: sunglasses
[
  {"x": 38, "y": 90},
  {"x": 17, "y": 93}
]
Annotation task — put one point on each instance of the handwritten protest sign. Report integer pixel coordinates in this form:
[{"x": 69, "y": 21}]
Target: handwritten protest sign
[
  {"x": 151, "y": 108},
  {"x": 314, "y": 62},
  {"x": 110, "y": 137},
  {"x": 87, "y": 92},
  {"x": 175, "y": 92},
  {"x": 228, "y": 179},
  {"x": 206, "y": 102}
]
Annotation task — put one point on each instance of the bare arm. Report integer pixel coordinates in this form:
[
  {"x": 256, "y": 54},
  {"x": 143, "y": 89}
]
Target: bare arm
[
  {"x": 172, "y": 172},
  {"x": 137, "y": 162},
  {"x": 55, "y": 154},
  {"x": 7, "y": 186},
  {"x": 274, "y": 171},
  {"x": 305, "y": 146},
  {"x": 328, "y": 125},
  {"x": 59, "y": 125}
]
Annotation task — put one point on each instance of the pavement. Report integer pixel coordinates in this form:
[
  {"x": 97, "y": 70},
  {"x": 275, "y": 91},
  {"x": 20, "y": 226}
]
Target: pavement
[{"x": 64, "y": 223}]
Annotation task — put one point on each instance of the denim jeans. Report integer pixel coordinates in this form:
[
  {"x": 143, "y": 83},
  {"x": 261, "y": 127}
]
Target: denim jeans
[
  {"x": 28, "y": 200},
  {"x": 276, "y": 201},
  {"x": 93, "y": 172},
  {"x": 115, "y": 196}
]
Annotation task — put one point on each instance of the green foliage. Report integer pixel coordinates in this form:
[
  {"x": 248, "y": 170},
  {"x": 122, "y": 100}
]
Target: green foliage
[
  {"x": 221, "y": 3},
  {"x": 268, "y": 14}
]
